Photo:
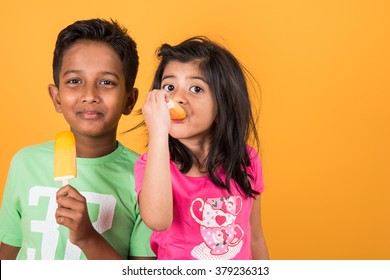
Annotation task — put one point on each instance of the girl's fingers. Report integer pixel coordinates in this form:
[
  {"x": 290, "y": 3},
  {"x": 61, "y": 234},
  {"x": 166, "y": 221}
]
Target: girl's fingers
[
  {"x": 155, "y": 101},
  {"x": 158, "y": 95},
  {"x": 150, "y": 96},
  {"x": 156, "y": 113}
]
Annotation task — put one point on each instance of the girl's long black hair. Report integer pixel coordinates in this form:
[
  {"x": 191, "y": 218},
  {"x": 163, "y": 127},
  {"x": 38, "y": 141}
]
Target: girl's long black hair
[{"x": 234, "y": 121}]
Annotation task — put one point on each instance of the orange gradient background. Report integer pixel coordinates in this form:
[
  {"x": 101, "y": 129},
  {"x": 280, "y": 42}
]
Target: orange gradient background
[{"x": 323, "y": 68}]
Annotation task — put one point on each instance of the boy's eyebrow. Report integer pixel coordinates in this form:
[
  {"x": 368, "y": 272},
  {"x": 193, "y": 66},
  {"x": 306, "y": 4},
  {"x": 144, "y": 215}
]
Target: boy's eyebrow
[
  {"x": 192, "y": 77},
  {"x": 111, "y": 73},
  {"x": 102, "y": 72}
]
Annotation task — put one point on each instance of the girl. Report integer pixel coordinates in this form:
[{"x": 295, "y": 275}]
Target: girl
[{"x": 199, "y": 184}]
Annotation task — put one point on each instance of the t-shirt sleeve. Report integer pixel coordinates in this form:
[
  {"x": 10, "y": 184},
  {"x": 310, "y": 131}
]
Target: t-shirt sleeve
[
  {"x": 140, "y": 244},
  {"x": 256, "y": 170},
  {"x": 10, "y": 212},
  {"x": 139, "y": 171},
  {"x": 140, "y": 238}
]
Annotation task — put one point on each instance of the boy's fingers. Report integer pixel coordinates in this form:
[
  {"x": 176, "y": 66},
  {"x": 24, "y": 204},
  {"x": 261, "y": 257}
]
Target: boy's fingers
[
  {"x": 65, "y": 190},
  {"x": 65, "y": 221},
  {"x": 64, "y": 212},
  {"x": 71, "y": 217},
  {"x": 70, "y": 203},
  {"x": 69, "y": 191}
]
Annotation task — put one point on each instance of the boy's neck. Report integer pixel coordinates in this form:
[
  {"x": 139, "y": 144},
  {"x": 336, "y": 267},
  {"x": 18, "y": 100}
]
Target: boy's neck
[{"x": 95, "y": 147}]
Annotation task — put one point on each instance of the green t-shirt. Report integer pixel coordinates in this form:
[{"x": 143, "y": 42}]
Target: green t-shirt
[{"x": 27, "y": 214}]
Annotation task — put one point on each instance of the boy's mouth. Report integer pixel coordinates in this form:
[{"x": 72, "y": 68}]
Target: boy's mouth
[{"x": 90, "y": 115}]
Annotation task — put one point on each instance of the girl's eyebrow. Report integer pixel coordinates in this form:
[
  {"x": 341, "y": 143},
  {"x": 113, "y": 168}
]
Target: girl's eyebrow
[
  {"x": 192, "y": 78},
  {"x": 199, "y": 78},
  {"x": 167, "y": 77}
]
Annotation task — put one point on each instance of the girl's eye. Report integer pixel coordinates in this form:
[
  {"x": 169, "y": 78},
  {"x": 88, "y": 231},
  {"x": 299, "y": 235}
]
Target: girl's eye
[
  {"x": 168, "y": 87},
  {"x": 196, "y": 89}
]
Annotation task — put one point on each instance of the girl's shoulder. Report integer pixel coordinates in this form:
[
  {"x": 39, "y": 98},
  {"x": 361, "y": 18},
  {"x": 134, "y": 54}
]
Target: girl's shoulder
[
  {"x": 255, "y": 166},
  {"x": 256, "y": 169},
  {"x": 141, "y": 160},
  {"x": 252, "y": 153}
]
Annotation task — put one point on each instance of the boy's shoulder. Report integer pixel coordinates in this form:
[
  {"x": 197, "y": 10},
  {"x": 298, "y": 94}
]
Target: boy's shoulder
[
  {"x": 33, "y": 155},
  {"x": 127, "y": 154},
  {"x": 44, "y": 151},
  {"x": 37, "y": 150}
]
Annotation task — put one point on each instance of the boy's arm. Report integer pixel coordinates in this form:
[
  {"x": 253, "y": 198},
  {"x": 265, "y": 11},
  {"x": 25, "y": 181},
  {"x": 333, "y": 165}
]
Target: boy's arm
[
  {"x": 97, "y": 248},
  {"x": 72, "y": 212},
  {"x": 142, "y": 258},
  {"x": 8, "y": 252},
  {"x": 258, "y": 244},
  {"x": 155, "y": 197}
]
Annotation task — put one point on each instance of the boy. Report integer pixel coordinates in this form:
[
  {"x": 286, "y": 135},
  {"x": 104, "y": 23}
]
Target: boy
[{"x": 94, "y": 67}]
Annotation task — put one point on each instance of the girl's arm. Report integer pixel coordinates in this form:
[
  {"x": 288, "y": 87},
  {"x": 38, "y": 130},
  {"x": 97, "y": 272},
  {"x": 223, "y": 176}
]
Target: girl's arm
[
  {"x": 258, "y": 245},
  {"x": 155, "y": 197}
]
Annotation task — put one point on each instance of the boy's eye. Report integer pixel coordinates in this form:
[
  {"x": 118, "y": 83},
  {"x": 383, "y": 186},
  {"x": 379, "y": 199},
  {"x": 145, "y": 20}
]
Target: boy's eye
[
  {"x": 196, "y": 89},
  {"x": 168, "y": 87},
  {"x": 107, "y": 83},
  {"x": 74, "y": 81}
]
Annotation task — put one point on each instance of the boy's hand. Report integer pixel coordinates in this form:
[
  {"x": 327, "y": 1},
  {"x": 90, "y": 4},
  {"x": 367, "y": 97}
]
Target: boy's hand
[{"x": 72, "y": 212}]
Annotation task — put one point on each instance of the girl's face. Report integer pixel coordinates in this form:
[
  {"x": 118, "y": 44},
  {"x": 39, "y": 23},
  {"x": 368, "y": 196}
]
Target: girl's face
[
  {"x": 92, "y": 93},
  {"x": 187, "y": 85}
]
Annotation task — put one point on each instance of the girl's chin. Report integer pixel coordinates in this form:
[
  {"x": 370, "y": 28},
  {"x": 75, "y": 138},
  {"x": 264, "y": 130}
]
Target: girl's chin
[{"x": 176, "y": 134}]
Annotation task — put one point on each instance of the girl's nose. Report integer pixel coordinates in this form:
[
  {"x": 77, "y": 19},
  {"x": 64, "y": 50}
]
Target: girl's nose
[{"x": 178, "y": 96}]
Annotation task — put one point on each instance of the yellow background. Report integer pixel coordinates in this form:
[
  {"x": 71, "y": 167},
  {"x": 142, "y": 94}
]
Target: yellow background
[{"x": 323, "y": 68}]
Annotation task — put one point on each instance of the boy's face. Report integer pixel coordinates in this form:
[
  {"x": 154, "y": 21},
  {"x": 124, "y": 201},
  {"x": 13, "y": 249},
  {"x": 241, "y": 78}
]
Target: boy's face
[{"x": 92, "y": 92}]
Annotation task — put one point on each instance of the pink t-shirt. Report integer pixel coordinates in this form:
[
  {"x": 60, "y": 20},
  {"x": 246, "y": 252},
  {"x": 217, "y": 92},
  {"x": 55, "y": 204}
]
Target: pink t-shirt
[{"x": 208, "y": 222}]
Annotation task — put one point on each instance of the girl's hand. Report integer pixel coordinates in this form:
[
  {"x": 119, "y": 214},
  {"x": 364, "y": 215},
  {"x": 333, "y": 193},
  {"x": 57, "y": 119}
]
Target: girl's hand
[
  {"x": 72, "y": 212},
  {"x": 156, "y": 113}
]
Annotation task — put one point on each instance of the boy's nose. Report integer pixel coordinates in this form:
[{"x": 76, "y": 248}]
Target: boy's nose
[{"x": 90, "y": 95}]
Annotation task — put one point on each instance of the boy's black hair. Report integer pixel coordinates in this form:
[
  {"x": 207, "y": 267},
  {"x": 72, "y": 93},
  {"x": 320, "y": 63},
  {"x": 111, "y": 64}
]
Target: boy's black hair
[
  {"x": 99, "y": 30},
  {"x": 234, "y": 121}
]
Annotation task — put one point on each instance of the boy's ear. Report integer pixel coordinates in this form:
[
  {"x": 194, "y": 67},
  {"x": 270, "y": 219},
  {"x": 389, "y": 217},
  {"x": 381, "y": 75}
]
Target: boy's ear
[
  {"x": 55, "y": 97},
  {"x": 131, "y": 100}
]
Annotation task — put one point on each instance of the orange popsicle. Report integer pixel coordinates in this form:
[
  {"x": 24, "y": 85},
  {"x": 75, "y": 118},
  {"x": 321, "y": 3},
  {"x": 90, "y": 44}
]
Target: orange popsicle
[
  {"x": 176, "y": 112},
  {"x": 64, "y": 157}
]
